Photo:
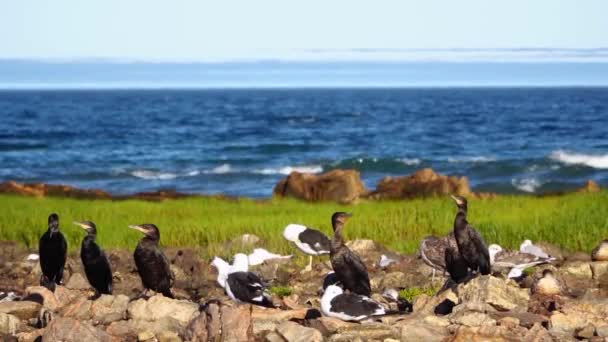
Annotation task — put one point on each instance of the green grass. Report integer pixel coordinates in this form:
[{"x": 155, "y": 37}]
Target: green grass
[
  {"x": 281, "y": 291},
  {"x": 576, "y": 221},
  {"x": 410, "y": 293}
]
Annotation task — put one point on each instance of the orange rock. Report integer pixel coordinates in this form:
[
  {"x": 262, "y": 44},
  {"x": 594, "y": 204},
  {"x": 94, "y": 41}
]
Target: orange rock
[
  {"x": 343, "y": 186},
  {"x": 421, "y": 183}
]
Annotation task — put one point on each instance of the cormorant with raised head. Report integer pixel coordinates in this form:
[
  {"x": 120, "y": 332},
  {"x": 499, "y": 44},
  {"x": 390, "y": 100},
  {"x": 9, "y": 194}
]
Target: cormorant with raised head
[
  {"x": 350, "y": 270},
  {"x": 96, "y": 264},
  {"x": 471, "y": 246},
  {"x": 52, "y": 249},
  {"x": 152, "y": 265}
]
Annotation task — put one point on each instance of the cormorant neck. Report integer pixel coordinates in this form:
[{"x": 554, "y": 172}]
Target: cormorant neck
[
  {"x": 460, "y": 222},
  {"x": 337, "y": 241},
  {"x": 152, "y": 239},
  {"x": 90, "y": 237}
]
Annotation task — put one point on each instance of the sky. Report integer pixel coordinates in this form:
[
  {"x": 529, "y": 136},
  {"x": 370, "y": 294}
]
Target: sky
[{"x": 196, "y": 30}]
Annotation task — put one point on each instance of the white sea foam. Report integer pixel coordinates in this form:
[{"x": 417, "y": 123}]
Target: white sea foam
[
  {"x": 571, "y": 158},
  {"x": 289, "y": 169},
  {"x": 526, "y": 184},
  {"x": 476, "y": 159},
  {"x": 157, "y": 175},
  {"x": 219, "y": 170},
  {"x": 410, "y": 161}
]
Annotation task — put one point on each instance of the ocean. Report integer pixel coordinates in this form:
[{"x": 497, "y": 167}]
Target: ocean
[{"x": 242, "y": 141}]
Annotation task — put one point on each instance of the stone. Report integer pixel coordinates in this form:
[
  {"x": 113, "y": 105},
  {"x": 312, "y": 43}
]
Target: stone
[
  {"x": 590, "y": 187},
  {"x": 471, "y": 318},
  {"x": 393, "y": 280},
  {"x": 157, "y": 326},
  {"x": 264, "y": 319},
  {"x": 587, "y": 332},
  {"x": 602, "y": 330},
  {"x": 9, "y": 324},
  {"x": 599, "y": 269},
  {"x": 30, "y": 336},
  {"x": 196, "y": 331},
  {"x": 274, "y": 337},
  {"x": 363, "y": 246},
  {"x": 159, "y": 306},
  {"x": 21, "y": 309},
  {"x": 334, "y": 325},
  {"x": 77, "y": 282},
  {"x": 494, "y": 291},
  {"x": 68, "y": 329},
  {"x": 342, "y": 186},
  {"x": 567, "y": 324},
  {"x": 52, "y": 300},
  {"x": 214, "y": 323},
  {"x": 107, "y": 308},
  {"x": 168, "y": 336},
  {"x": 422, "y": 183},
  {"x": 293, "y": 332},
  {"x": 578, "y": 269},
  {"x": 537, "y": 333},
  {"x": 524, "y": 319},
  {"x": 145, "y": 336},
  {"x": 236, "y": 323},
  {"x": 413, "y": 330},
  {"x": 487, "y": 333},
  {"x": 124, "y": 330}
]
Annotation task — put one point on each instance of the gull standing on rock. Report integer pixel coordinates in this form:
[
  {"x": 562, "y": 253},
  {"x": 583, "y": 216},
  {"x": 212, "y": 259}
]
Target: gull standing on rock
[
  {"x": 309, "y": 241},
  {"x": 95, "y": 262},
  {"x": 152, "y": 265},
  {"x": 350, "y": 270},
  {"x": 471, "y": 245},
  {"x": 52, "y": 250}
]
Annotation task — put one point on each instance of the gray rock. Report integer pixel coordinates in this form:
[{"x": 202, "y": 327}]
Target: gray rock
[
  {"x": 236, "y": 323},
  {"x": 22, "y": 309},
  {"x": 9, "y": 324},
  {"x": 496, "y": 292},
  {"x": 471, "y": 318},
  {"x": 293, "y": 332},
  {"x": 68, "y": 329},
  {"x": 159, "y": 306},
  {"x": 77, "y": 282}
]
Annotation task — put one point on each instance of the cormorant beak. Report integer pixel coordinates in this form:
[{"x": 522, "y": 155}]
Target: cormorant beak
[
  {"x": 456, "y": 199},
  {"x": 82, "y": 225},
  {"x": 140, "y": 228}
]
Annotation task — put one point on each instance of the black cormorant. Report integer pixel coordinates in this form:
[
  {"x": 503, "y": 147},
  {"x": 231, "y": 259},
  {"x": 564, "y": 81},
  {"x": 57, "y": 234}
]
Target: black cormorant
[
  {"x": 96, "y": 264},
  {"x": 152, "y": 265},
  {"x": 455, "y": 265},
  {"x": 309, "y": 241},
  {"x": 349, "y": 268},
  {"x": 471, "y": 246},
  {"x": 53, "y": 254}
]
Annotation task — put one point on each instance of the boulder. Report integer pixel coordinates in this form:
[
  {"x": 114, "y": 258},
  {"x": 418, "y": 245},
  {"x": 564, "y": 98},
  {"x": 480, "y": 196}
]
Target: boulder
[
  {"x": 68, "y": 329},
  {"x": 105, "y": 309},
  {"x": 421, "y": 183},
  {"x": 577, "y": 269},
  {"x": 293, "y": 332},
  {"x": 123, "y": 330},
  {"x": 342, "y": 186},
  {"x": 159, "y": 306},
  {"x": 52, "y": 300},
  {"x": 496, "y": 292},
  {"x": 471, "y": 318},
  {"x": 22, "y": 309},
  {"x": 414, "y": 329},
  {"x": 236, "y": 323},
  {"x": 196, "y": 331},
  {"x": 41, "y": 190},
  {"x": 9, "y": 324},
  {"x": 590, "y": 187},
  {"x": 77, "y": 282}
]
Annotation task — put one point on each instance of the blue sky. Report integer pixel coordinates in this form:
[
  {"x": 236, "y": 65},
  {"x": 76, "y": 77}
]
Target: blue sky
[{"x": 227, "y": 30}]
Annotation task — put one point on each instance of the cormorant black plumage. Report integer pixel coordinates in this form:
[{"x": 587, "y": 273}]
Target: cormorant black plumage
[
  {"x": 52, "y": 249},
  {"x": 152, "y": 265},
  {"x": 350, "y": 270},
  {"x": 471, "y": 246},
  {"x": 95, "y": 262},
  {"x": 456, "y": 267}
]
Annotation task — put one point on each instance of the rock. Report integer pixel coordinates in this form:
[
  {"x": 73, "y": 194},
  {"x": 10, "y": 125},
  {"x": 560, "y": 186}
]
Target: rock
[
  {"x": 394, "y": 280},
  {"x": 293, "y": 332},
  {"x": 267, "y": 319},
  {"x": 68, "y": 329},
  {"x": 107, "y": 309},
  {"x": 168, "y": 336},
  {"x": 214, "y": 323},
  {"x": 364, "y": 246},
  {"x": 77, "y": 282},
  {"x": 9, "y": 324},
  {"x": 602, "y": 330},
  {"x": 30, "y": 336},
  {"x": 274, "y": 337},
  {"x": 159, "y": 306},
  {"x": 566, "y": 324},
  {"x": 488, "y": 333},
  {"x": 145, "y": 336},
  {"x": 157, "y": 326},
  {"x": 413, "y": 330},
  {"x": 421, "y": 183},
  {"x": 587, "y": 332},
  {"x": 334, "y": 325},
  {"x": 494, "y": 291},
  {"x": 590, "y": 187},
  {"x": 577, "y": 269},
  {"x": 52, "y": 300},
  {"x": 471, "y": 318},
  {"x": 599, "y": 269},
  {"x": 41, "y": 190},
  {"x": 21, "y": 309},
  {"x": 537, "y": 333},
  {"x": 236, "y": 323},
  {"x": 123, "y": 330},
  {"x": 524, "y": 319},
  {"x": 196, "y": 331},
  {"x": 342, "y": 186}
]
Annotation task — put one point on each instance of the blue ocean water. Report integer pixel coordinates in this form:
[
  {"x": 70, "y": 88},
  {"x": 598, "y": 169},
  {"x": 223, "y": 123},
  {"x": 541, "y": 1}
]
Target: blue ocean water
[{"x": 241, "y": 142}]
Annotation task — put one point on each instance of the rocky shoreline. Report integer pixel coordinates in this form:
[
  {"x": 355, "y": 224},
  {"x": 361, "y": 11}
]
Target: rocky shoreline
[
  {"x": 487, "y": 307},
  {"x": 341, "y": 186}
]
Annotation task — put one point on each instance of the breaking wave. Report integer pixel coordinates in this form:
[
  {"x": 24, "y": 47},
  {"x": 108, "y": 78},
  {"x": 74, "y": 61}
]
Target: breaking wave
[{"x": 571, "y": 158}]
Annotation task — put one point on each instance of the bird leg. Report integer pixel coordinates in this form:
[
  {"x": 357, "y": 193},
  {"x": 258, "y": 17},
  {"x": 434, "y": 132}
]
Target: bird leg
[
  {"x": 308, "y": 267},
  {"x": 433, "y": 277}
]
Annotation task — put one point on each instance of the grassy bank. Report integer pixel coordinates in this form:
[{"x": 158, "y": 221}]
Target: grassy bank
[{"x": 574, "y": 221}]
